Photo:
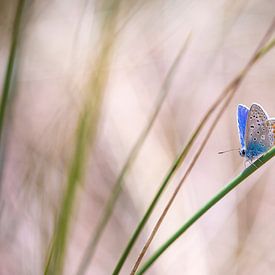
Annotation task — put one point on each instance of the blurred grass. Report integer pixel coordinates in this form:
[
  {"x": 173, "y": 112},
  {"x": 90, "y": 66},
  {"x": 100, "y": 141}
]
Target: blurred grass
[
  {"x": 85, "y": 135},
  {"x": 116, "y": 190},
  {"x": 229, "y": 187},
  {"x": 9, "y": 76},
  {"x": 230, "y": 89}
]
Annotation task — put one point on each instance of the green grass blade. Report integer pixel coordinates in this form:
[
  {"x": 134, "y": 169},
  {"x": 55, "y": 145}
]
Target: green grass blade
[
  {"x": 85, "y": 135},
  {"x": 130, "y": 160},
  {"x": 230, "y": 186},
  {"x": 7, "y": 84}
]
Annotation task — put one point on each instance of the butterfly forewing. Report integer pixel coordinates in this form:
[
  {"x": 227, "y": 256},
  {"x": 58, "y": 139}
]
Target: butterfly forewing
[{"x": 242, "y": 113}]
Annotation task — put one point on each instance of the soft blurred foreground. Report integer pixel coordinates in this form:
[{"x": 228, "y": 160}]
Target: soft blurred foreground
[{"x": 87, "y": 77}]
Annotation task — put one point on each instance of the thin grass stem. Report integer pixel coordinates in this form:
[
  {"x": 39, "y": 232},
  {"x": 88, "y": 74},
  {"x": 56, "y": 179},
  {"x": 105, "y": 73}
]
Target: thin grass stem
[
  {"x": 85, "y": 135},
  {"x": 223, "y": 192},
  {"x": 9, "y": 74}
]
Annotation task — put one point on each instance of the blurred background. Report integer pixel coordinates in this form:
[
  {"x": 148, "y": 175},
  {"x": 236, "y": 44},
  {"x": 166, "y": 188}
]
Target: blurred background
[{"x": 99, "y": 66}]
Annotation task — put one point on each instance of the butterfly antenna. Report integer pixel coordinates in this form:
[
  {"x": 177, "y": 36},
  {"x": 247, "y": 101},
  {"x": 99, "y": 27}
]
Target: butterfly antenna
[{"x": 222, "y": 152}]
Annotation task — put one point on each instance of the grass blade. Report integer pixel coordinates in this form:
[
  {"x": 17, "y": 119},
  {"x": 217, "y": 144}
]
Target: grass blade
[
  {"x": 107, "y": 212},
  {"x": 85, "y": 135},
  {"x": 7, "y": 85},
  {"x": 230, "y": 186}
]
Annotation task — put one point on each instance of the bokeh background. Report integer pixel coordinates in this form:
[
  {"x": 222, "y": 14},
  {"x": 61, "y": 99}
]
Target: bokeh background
[{"x": 60, "y": 50}]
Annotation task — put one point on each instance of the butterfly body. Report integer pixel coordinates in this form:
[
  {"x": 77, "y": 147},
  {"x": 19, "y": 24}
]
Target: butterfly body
[{"x": 256, "y": 131}]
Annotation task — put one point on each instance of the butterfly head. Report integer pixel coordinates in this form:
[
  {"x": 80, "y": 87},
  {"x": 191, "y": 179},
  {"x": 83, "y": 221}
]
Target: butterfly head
[{"x": 242, "y": 152}]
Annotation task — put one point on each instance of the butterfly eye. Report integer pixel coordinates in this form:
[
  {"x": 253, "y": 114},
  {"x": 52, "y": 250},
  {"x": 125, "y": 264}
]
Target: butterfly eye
[{"x": 242, "y": 152}]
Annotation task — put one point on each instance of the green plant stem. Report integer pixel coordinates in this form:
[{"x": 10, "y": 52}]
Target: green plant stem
[
  {"x": 6, "y": 89},
  {"x": 230, "y": 186},
  {"x": 266, "y": 49}
]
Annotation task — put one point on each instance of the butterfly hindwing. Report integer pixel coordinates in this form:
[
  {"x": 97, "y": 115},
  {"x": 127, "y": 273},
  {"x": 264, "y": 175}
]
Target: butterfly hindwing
[
  {"x": 257, "y": 134},
  {"x": 271, "y": 131},
  {"x": 242, "y": 113}
]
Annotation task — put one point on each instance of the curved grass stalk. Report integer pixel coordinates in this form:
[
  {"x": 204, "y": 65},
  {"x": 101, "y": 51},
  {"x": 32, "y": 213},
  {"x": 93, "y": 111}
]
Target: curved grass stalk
[
  {"x": 90, "y": 250},
  {"x": 223, "y": 192},
  {"x": 231, "y": 88}
]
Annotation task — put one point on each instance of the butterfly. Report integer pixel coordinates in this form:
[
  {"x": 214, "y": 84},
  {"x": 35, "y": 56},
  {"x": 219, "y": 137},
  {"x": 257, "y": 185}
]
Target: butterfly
[{"x": 256, "y": 131}]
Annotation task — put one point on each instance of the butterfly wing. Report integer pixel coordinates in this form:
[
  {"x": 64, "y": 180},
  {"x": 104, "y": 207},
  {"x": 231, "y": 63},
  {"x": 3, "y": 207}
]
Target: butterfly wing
[
  {"x": 257, "y": 133},
  {"x": 271, "y": 131},
  {"x": 242, "y": 113}
]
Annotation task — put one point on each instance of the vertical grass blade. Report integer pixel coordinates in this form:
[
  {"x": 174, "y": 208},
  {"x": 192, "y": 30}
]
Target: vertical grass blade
[
  {"x": 85, "y": 135},
  {"x": 9, "y": 74},
  {"x": 107, "y": 212}
]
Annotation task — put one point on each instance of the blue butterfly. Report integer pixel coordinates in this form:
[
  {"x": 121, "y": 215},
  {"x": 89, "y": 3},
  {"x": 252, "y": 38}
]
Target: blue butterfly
[{"x": 256, "y": 131}]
